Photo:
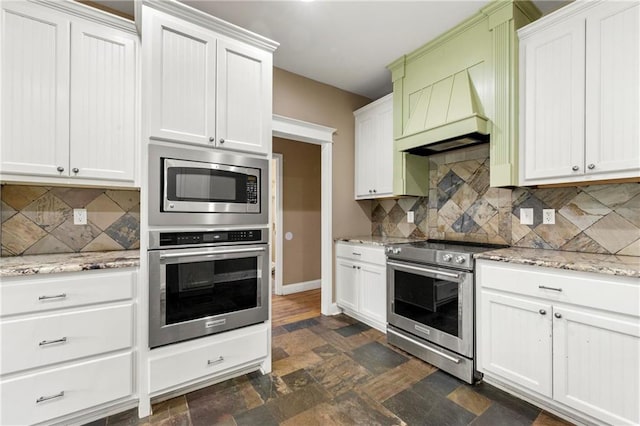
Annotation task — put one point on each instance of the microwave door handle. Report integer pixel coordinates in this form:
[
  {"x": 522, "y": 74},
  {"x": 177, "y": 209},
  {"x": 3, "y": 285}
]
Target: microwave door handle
[
  {"x": 427, "y": 270},
  {"x": 210, "y": 253}
]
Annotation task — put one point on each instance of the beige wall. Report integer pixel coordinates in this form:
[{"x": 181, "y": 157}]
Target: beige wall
[
  {"x": 298, "y": 97},
  {"x": 301, "y": 205}
]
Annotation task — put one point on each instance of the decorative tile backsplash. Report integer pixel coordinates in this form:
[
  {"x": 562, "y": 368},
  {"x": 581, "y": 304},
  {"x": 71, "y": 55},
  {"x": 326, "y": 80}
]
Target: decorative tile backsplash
[
  {"x": 39, "y": 220},
  {"x": 461, "y": 206}
]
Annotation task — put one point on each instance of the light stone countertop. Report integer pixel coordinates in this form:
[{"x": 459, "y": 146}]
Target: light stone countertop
[
  {"x": 377, "y": 240},
  {"x": 67, "y": 262},
  {"x": 626, "y": 266}
]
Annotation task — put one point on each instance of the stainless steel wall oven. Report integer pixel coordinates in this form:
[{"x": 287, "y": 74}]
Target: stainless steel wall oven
[
  {"x": 206, "y": 282},
  {"x": 204, "y": 187}
]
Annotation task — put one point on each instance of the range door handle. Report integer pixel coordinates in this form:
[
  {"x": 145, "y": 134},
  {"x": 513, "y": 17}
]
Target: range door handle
[
  {"x": 427, "y": 270},
  {"x": 428, "y": 348},
  {"x": 210, "y": 253}
]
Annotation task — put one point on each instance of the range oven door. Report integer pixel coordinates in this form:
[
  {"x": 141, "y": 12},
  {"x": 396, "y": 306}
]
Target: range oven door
[
  {"x": 432, "y": 303},
  {"x": 199, "y": 291}
]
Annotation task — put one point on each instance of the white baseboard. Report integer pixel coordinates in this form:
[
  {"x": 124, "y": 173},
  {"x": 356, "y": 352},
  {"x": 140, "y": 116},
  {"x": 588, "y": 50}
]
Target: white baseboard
[
  {"x": 299, "y": 287},
  {"x": 334, "y": 309}
]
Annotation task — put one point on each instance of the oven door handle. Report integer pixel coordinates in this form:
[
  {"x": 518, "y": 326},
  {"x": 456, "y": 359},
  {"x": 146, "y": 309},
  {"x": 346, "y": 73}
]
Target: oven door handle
[
  {"x": 435, "y": 351},
  {"x": 210, "y": 253},
  {"x": 427, "y": 270}
]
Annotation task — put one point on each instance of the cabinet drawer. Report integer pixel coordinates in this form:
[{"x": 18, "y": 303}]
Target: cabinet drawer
[
  {"x": 39, "y": 341},
  {"x": 84, "y": 385},
  {"x": 600, "y": 291},
  {"x": 215, "y": 355},
  {"x": 362, "y": 253},
  {"x": 23, "y": 295}
]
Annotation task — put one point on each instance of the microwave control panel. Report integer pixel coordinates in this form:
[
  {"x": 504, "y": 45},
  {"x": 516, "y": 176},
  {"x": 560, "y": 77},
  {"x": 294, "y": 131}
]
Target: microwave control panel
[
  {"x": 209, "y": 237},
  {"x": 252, "y": 189}
]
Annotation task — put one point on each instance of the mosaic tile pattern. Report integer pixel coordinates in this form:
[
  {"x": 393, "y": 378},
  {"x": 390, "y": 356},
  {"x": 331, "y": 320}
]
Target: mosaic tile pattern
[
  {"x": 39, "y": 220},
  {"x": 461, "y": 206},
  {"x": 341, "y": 377}
]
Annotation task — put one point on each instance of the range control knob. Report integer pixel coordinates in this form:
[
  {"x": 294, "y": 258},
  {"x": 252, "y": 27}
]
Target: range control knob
[
  {"x": 460, "y": 259},
  {"x": 397, "y": 250},
  {"x": 388, "y": 250},
  {"x": 447, "y": 257}
]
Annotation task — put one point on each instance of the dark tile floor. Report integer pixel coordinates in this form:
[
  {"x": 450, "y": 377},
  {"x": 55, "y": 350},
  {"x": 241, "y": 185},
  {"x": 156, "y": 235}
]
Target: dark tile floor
[{"x": 337, "y": 371}]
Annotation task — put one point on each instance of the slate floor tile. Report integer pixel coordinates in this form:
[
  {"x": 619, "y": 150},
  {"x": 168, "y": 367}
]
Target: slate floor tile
[
  {"x": 441, "y": 383},
  {"x": 256, "y": 416},
  {"x": 523, "y": 408},
  {"x": 278, "y": 353},
  {"x": 215, "y": 404},
  {"x": 300, "y": 324},
  {"x": 326, "y": 351},
  {"x": 291, "y": 404},
  {"x": 548, "y": 419},
  {"x": 339, "y": 374},
  {"x": 472, "y": 401},
  {"x": 270, "y": 387},
  {"x": 298, "y": 341},
  {"x": 409, "y": 406},
  {"x": 377, "y": 358},
  {"x": 352, "y": 329},
  {"x": 499, "y": 415},
  {"x": 126, "y": 418},
  {"x": 298, "y": 380}
]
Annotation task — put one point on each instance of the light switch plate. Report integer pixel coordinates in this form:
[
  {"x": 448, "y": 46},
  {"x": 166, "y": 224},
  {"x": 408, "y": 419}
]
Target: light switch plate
[
  {"x": 526, "y": 216},
  {"x": 79, "y": 216},
  {"x": 549, "y": 216},
  {"x": 411, "y": 217}
]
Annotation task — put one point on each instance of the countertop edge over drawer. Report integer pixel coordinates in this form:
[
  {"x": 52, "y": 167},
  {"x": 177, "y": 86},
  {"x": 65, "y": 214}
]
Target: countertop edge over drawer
[
  {"x": 373, "y": 240},
  {"x": 67, "y": 262},
  {"x": 625, "y": 266}
]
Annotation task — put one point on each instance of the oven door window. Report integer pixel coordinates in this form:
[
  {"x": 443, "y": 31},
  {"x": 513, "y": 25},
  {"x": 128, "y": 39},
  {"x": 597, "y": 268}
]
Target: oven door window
[
  {"x": 207, "y": 185},
  {"x": 427, "y": 300},
  {"x": 201, "y": 289}
]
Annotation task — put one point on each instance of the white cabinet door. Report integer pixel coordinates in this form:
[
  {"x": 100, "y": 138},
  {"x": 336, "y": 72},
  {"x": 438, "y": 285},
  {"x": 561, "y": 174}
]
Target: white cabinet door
[
  {"x": 596, "y": 364},
  {"x": 613, "y": 89},
  {"x": 553, "y": 62},
  {"x": 347, "y": 285},
  {"x": 384, "y": 151},
  {"x": 516, "y": 339},
  {"x": 366, "y": 145},
  {"x": 182, "y": 94},
  {"x": 102, "y": 141},
  {"x": 373, "y": 292},
  {"x": 244, "y": 77},
  {"x": 35, "y": 90}
]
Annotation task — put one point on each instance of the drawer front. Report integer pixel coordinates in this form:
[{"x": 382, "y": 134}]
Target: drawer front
[
  {"x": 600, "y": 291},
  {"x": 39, "y": 341},
  {"x": 26, "y": 294},
  {"x": 173, "y": 369},
  {"x": 362, "y": 253},
  {"x": 62, "y": 391}
]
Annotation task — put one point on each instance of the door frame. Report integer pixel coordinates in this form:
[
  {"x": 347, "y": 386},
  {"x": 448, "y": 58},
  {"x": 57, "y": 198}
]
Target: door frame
[
  {"x": 303, "y": 131},
  {"x": 278, "y": 243}
]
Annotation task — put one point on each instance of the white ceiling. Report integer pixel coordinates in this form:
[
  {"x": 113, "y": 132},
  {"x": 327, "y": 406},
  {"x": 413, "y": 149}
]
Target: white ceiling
[{"x": 346, "y": 44}]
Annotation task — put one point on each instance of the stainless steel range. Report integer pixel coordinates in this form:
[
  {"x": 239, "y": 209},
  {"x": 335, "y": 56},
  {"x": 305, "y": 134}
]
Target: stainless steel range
[{"x": 431, "y": 295}]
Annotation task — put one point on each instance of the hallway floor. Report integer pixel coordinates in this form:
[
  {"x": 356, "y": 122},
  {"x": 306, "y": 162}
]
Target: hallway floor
[{"x": 338, "y": 371}]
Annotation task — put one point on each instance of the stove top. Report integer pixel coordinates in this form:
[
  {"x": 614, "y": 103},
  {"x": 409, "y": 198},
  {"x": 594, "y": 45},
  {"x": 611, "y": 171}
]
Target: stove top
[{"x": 454, "y": 254}]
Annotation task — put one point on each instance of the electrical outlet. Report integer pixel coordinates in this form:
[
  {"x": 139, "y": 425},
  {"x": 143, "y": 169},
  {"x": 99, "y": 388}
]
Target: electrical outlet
[
  {"x": 526, "y": 216},
  {"x": 549, "y": 216},
  {"x": 411, "y": 216},
  {"x": 79, "y": 216}
]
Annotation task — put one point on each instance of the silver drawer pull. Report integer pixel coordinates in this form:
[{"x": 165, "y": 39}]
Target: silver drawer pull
[
  {"x": 544, "y": 287},
  {"x": 356, "y": 254},
  {"x": 57, "y": 296},
  {"x": 47, "y": 398},
  {"x": 53, "y": 342},
  {"x": 215, "y": 323},
  {"x": 422, "y": 330},
  {"x": 215, "y": 361}
]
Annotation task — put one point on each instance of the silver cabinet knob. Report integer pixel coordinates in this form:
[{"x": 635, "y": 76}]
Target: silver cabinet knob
[
  {"x": 447, "y": 257},
  {"x": 542, "y": 312},
  {"x": 591, "y": 166},
  {"x": 221, "y": 140},
  {"x": 75, "y": 170},
  {"x": 358, "y": 267},
  {"x": 212, "y": 139},
  {"x": 374, "y": 191},
  {"x": 557, "y": 315},
  {"x": 575, "y": 168},
  {"x": 60, "y": 169},
  {"x": 353, "y": 266},
  {"x": 370, "y": 192}
]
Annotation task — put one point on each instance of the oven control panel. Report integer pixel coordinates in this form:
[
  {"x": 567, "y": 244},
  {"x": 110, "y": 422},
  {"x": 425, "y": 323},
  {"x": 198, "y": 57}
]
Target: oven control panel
[
  {"x": 168, "y": 239},
  {"x": 455, "y": 259}
]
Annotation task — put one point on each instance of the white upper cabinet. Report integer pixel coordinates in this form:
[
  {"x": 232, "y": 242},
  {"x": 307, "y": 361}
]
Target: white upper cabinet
[
  {"x": 579, "y": 76},
  {"x": 206, "y": 88},
  {"x": 68, "y": 96},
  {"x": 374, "y": 149},
  {"x": 182, "y": 98},
  {"x": 35, "y": 90},
  {"x": 102, "y": 142}
]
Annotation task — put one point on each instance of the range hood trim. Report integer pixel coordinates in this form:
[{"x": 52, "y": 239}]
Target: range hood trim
[{"x": 474, "y": 123}]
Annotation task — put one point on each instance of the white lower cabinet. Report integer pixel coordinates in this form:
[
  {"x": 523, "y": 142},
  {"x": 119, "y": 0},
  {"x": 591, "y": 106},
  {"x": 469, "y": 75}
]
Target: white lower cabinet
[
  {"x": 567, "y": 340},
  {"x": 185, "y": 364},
  {"x": 361, "y": 283},
  {"x": 66, "y": 352}
]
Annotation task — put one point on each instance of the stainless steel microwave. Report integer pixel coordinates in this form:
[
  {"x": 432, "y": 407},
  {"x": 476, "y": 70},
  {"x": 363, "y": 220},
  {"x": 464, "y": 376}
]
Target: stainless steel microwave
[{"x": 190, "y": 186}]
